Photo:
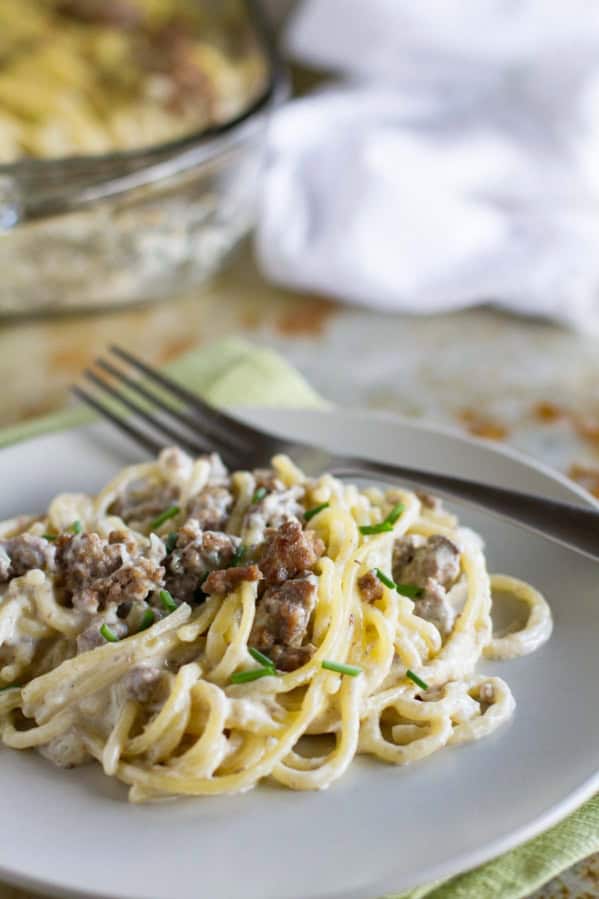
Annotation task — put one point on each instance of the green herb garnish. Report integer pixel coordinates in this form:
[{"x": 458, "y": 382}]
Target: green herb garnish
[
  {"x": 417, "y": 680},
  {"x": 108, "y": 634},
  {"x": 9, "y": 687},
  {"x": 171, "y": 541},
  {"x": 260, "y": 657},
  {"x": 76, "y": 527},
  {"x": 368, "y": 529},
  {"x": 244, "y": 677},
  {"x": 259, "y": 494},
  {"x": 411, "y": 590},
  {"x": 395, "y": 513},
  {"x": 148, "y": 619},
  {"x": 386, "y": 524},
  {"x": 310, "y": 513},
  {"x": 238, "y": 555},
  {"x": 164, "y": 516},
  {"x": 50, "y": 537},
  {"x": 167, "y": 601},
  {"x": 384, "y": 579},
  {"x": 340, "y": 668}
]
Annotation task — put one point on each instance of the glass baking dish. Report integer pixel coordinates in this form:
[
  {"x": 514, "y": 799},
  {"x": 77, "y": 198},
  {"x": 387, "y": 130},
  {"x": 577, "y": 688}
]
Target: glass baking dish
[{"x": 92, "y": 232}]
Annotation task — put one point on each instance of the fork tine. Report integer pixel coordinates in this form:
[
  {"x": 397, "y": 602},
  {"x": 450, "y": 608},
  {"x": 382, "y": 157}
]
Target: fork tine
[
  {"x": 195, "y": 446},
  {"x": 139, "y": 437},
  {"x": 219, "y": 424},
  {"x": 188, "y": 420}
]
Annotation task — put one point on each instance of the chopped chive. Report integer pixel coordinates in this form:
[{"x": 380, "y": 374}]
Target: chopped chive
[
  {"x": 76, "y": 528},
  {"x": 395, "y": 513},
  {"x": 164, "y": 516},
  {"x": 352, "y": 670},
  {"x": 260, "y": 657},
  {"x": 411, "y": 590},
  {"x": 386, "y": 524},
  {"x": 238, "y": 555},
  {"x": 244, "y": 677},
  {"x": 310, "y": 513},
  {"x": 148, "y": 619},
  {"x": 9, "y": 687},
  {"x": 417, "y": 680},
  {"x": 384, "y": 579},
  {"x": 380, "y": 528},
  {"x": 50, "y": 537},
  {"x": 171, "y": 541},
  {"x": 259, "y": 493},
  {"x": 108, "y": 634},
  {"x": 167, "y": 601}
]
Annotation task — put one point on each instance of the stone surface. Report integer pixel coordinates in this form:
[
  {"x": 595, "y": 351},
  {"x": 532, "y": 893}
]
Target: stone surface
[{"x": 527, "y": 382}]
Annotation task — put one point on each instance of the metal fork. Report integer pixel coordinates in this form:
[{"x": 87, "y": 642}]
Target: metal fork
[{"x": 166, "y": 413}]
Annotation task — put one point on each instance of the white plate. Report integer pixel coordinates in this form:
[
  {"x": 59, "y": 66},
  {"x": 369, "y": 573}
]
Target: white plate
[{"x": 380, "y": 828}]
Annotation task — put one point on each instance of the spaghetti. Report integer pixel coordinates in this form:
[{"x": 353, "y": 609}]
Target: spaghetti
[{"x": 196, "y": 632}]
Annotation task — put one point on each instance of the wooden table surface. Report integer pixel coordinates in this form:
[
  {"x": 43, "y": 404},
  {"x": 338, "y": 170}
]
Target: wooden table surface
[{"x": 525, "y": 382}]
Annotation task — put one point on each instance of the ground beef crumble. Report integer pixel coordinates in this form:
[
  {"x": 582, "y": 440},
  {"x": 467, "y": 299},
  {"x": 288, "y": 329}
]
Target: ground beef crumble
[
  {"x": 94, "y": 572},
  {"x": 21, "y": 554},
  {"x": 211, "y": 507},
  {"x": 225, "y": 580},
  {"x": 429, "y": 501},
  {"x": 281, "y": 623},
  {"x": 283, "y": 611},
  {"x": 433, "y": 606},
  {"x": 370, "y": 587},
  {"x": 288, "y": 658},
  {"x": 196, "y": 552},
  {"x": 143, "y": 682},
  {"x": 290, "y": 551},
  {"x": 433, "y": 564},
  {"x": 415, "y": 560},
  {"x": 278, "y": 505}
]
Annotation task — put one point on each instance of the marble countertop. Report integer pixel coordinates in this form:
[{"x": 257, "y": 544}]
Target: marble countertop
[{"x": 524, "y": 382}]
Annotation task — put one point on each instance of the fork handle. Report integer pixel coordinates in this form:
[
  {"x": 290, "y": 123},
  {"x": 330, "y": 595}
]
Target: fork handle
[{"x": 565, "y": 523}]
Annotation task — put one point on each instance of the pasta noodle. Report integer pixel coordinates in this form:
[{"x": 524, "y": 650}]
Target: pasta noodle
[{"x": 175, "y": 693}]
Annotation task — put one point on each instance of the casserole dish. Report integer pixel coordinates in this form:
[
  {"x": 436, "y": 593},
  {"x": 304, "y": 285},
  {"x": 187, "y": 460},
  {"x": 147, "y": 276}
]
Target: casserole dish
[{"x": 86, "y": 231}]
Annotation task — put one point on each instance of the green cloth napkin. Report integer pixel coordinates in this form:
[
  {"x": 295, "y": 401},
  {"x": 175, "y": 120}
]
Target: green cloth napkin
[
  {"x": 230, "y": 372},
  {"x": 233, "y": 372}
]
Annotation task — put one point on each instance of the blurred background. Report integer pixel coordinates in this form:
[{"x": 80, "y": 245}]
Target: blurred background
[{"x": 400, "y": 198}]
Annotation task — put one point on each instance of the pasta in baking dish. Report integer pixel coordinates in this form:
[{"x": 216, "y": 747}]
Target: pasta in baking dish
[
  {"x": 196, "y": 631},
  {"x": 88, "y": 77}
]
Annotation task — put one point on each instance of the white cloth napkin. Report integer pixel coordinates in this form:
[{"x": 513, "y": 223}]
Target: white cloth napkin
[{"x": 456, "y": 161}]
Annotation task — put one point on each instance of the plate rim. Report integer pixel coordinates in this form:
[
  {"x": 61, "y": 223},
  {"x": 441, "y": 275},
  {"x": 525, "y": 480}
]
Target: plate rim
[{"x": 469, "y": 859}]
